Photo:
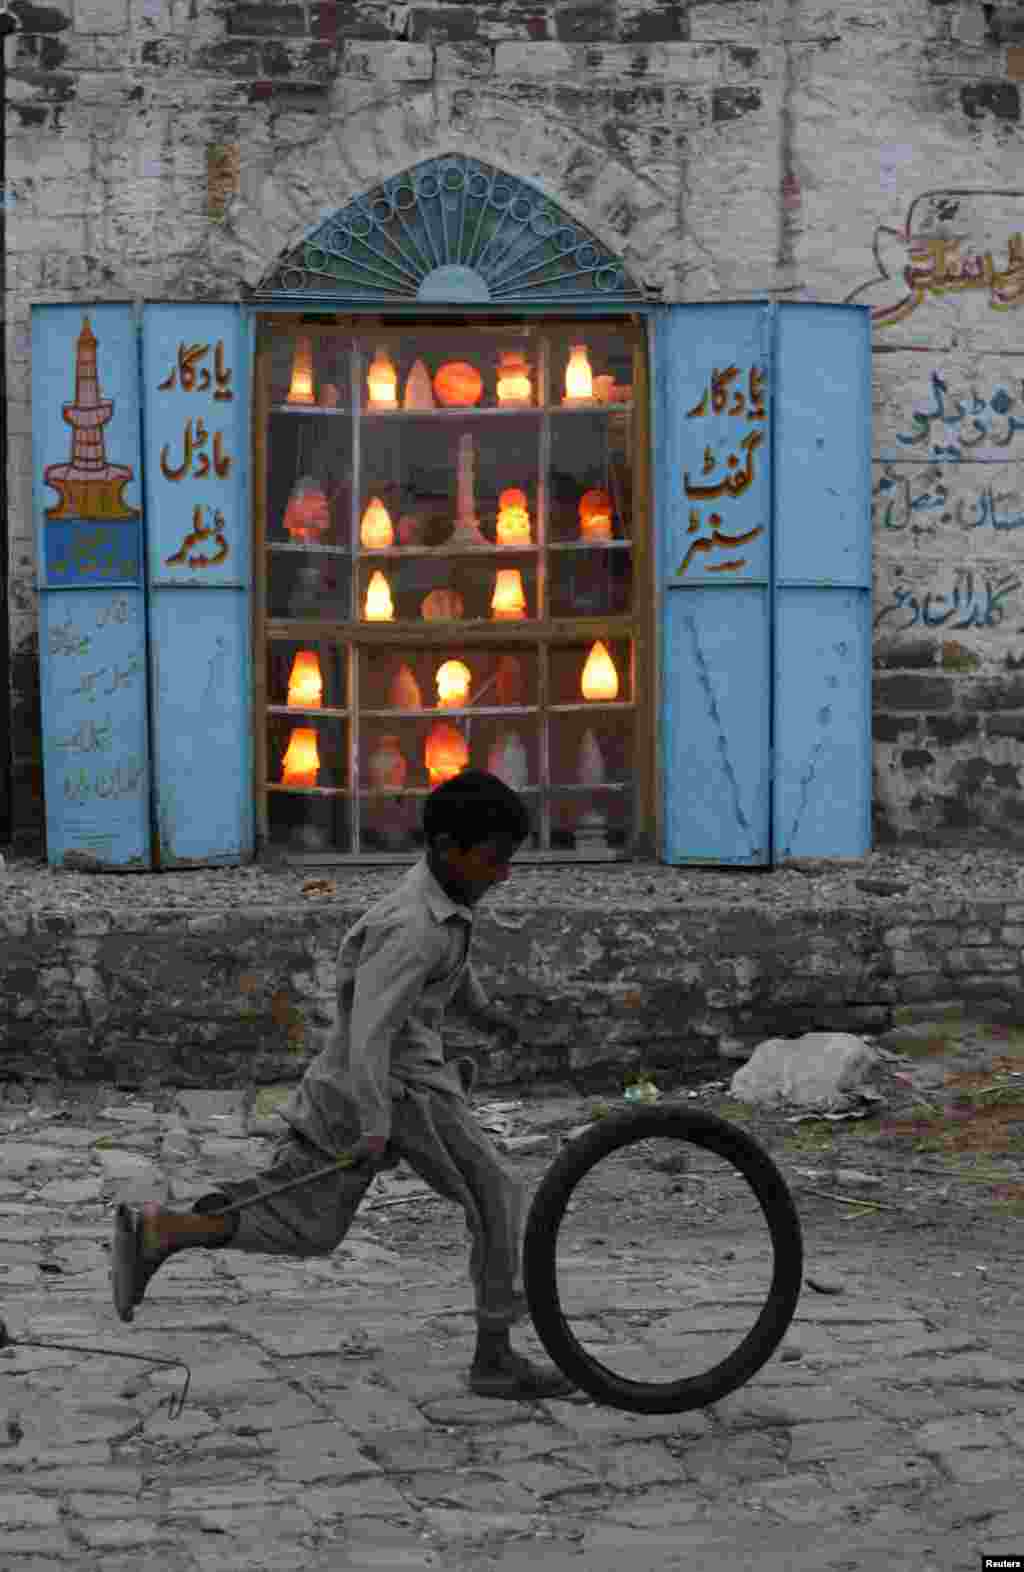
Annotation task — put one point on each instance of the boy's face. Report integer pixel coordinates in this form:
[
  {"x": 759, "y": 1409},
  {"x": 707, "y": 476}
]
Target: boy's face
[{"x": 470, "y": 874}]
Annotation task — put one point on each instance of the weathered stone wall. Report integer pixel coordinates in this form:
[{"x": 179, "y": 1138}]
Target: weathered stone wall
[
  {"x": 208, "y": 993},
  {"x": 725, "y": 148}
]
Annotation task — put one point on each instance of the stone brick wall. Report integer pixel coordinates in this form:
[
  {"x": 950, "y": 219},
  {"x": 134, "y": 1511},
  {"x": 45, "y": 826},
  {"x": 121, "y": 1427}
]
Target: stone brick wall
[
  {"x": 727, "y": 149},
  {"x": 233, "y": 997}
]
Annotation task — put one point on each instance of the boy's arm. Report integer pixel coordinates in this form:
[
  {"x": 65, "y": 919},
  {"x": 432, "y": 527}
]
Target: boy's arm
[
  {"x": 393, "y": 968},
  {"x": 471, "y": 1001}
]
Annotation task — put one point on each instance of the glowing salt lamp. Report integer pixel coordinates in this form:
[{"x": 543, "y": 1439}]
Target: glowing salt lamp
[
  {"x": 307, "y": 514},
  {"x": 417, "y": 388},
  {"x": 301, "y": 762},
  {"x": 301, "y": 390},
  {"x": 458, "y": 383},
  {"x": 579, "y": 383},
  {"x": 595, "y": 515},
  {"x": 513, "y": 518},
  {"x": 305, "y": 685},
  {"x": 382, "y": 381},
  {"x": 600, "y": 679},
  {"x": 446, "y": 752},
  {"x": 379, "y": 606},
  {"x": 513, "y": 379},
  {"x": 404, "y": 693},
  {"x": 452, "y": 684},
  {"x": 375, "y": 531},
  {"x": 509, "y": 681},
  {"x": 508, "y": 603},
  {"x": 604, "y": 389}
]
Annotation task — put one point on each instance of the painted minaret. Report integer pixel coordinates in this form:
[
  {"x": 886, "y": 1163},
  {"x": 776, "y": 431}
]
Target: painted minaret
[{"x": 89, "y": 487}]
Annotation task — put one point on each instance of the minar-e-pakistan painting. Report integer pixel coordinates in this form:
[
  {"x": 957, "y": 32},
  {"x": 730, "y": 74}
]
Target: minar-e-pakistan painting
[{"x": 89, "y": 487}]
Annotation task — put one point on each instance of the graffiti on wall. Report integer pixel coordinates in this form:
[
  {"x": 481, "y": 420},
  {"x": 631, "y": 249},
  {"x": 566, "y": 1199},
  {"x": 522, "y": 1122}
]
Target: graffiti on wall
[
  {"x": 94, "y": 658},
  {"x": 968, "y": 605},
  {"x": 748, "y": 405},
  {"x": 196, "y": 461},
  {"x": 952, "y": 240}
]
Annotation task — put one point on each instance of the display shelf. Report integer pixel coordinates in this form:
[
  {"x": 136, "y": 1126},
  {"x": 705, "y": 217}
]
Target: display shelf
[
  {"x": 292, "y": 709},
  {"x": 302, "y": 547},
  {"x": 459, "y": 412},
  {"x": 433, "y": 714},
  {"x": 310, "y": 409},
  {"x": 307, "y": 791}
]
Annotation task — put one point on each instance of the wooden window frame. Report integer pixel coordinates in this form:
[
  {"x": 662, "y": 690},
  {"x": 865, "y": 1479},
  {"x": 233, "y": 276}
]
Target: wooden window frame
[{"x": 639, "y": 626}]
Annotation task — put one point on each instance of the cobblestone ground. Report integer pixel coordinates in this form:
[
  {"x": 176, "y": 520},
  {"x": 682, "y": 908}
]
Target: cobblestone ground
[{"x": 329, "y": 1425}]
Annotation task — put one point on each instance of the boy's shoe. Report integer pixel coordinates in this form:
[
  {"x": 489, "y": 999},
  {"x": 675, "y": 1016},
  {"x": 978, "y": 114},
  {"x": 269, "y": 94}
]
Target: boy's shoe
[
  {"x": 516, "y": 1377},
  {"x": 131, "y": 1264}
]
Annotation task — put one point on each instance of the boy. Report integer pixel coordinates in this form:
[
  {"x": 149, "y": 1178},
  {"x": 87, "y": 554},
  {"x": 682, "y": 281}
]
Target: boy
[{"x": 383, "y": 1090}]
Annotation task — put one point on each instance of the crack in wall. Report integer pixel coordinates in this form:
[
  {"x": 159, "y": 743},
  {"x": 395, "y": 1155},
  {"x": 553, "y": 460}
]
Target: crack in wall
[{"x": 704, "y": 678}]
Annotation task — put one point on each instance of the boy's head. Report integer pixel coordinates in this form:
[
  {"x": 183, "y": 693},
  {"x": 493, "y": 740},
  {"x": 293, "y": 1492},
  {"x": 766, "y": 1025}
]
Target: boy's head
[{"x": 473, "y": 825}]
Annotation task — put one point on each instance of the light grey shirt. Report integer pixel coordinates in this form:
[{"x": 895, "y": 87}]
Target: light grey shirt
[{"x": 399, "y": 967}]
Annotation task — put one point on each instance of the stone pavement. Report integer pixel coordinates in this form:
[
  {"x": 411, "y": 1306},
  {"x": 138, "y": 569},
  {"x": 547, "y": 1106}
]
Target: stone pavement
[{"x": 328, "y": 1423}]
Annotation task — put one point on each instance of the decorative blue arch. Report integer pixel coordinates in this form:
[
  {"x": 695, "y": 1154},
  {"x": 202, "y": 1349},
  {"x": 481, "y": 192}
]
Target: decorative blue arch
[{"x": 451, "y": 231}]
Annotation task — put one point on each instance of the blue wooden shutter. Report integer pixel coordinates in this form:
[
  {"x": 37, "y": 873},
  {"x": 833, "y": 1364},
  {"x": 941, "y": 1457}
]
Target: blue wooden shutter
[
  {"x": 195, "y": 368},
  {"x": 822, "y": 687},
  {"x": 764, "y": 581},
  {"x": 714, "y": 581},
  {"x": 87, "y": 506}
]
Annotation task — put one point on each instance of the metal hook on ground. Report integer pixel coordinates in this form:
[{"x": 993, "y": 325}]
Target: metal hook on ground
[{"x": 175, "y": 1405}]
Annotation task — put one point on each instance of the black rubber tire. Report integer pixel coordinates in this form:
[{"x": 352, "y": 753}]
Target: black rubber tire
[{"x": 540, "y": 1250}]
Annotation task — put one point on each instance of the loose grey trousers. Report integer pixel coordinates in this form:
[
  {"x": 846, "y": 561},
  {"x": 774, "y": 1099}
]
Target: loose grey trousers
[{"x": 441, "y": 1141}]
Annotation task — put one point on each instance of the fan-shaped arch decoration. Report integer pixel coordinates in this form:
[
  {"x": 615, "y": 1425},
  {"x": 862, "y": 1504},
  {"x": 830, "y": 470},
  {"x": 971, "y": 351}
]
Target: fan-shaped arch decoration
[{"x": 451, "y": 230}]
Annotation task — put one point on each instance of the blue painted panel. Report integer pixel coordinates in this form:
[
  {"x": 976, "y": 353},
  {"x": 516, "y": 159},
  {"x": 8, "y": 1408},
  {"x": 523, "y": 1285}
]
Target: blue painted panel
[
  {"x": 714, "y": 447},
  {"x": 201, "y": 747},
  {"x": 714, "y": 581},
  {"x": 823, "y": 444},
  {"x": 87, "y": 511},
  {"x": 715, "y": 722},
  {"x": 822, "y": 652},
  {"x": 88, "y": 555},
  {"x": 195, "y": 369},
  {"x": 196, "y": 362},
  {"x": 822, "y": 795}
]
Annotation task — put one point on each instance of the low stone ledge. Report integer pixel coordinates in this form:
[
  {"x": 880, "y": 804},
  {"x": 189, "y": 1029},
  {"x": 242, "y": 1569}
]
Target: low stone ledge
[{"x": 226, "y": 977}]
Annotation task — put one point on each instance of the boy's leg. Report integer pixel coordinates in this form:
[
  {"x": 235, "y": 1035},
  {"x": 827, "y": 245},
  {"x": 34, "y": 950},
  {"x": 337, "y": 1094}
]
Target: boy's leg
[
  {"x": 310, "y": 1220},
  {"x": 438, "y": 1136}
]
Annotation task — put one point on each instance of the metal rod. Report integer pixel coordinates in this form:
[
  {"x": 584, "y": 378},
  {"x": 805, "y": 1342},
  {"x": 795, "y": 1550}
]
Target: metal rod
[{"x": 174, "y": 1408}]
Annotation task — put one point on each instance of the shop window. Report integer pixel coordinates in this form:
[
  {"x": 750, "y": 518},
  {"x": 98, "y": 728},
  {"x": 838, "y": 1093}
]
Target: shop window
[{"x": 451, "y": 531}]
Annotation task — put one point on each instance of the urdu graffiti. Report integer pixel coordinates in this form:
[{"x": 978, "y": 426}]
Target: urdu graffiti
[
  {"x": 748, "y": 405},
  {"x": 952, "y": 240},
  {"x": 975, "y": 608},
  {"x": 193, "y": 447}
]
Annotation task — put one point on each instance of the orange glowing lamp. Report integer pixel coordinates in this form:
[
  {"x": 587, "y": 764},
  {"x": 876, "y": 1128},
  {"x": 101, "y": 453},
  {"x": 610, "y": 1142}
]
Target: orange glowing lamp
[
  {"x": 600, "y": 679},
  {"x": 508, "y": 603},
  {"x": 446, "y": 753},
  {"x": 452, "y": 684},
  {"x": 305, "y": 685},
  {"x": 302, "y": 761},
  {"x": 375, "y": 531},
  {"x": 307, "y": 515},
  {"x": 379, "y": 605},
  {"x": 579, "y": 382},
  {"x": 513, "y": 379},
  {"x": 595, "y": 515},
  {"x": 382, "y": 382},
  {"x": 301, "y": 389},
  {"x": 513, "y": 518}
]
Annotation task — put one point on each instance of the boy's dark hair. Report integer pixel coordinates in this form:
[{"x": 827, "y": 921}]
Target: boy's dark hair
[{"x": 472, "y": 807}]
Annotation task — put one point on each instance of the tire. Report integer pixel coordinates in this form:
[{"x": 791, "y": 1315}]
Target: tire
[{"x": 540, "y": 1249}]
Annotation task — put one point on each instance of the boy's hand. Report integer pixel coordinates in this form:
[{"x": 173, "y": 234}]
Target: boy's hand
[
  {"x": 497, "y": 1019},
  {"x": 370, "y": 1148}
]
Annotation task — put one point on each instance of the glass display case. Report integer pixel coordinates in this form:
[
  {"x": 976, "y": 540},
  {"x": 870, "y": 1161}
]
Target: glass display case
[{"x": 450, "y": 519}]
